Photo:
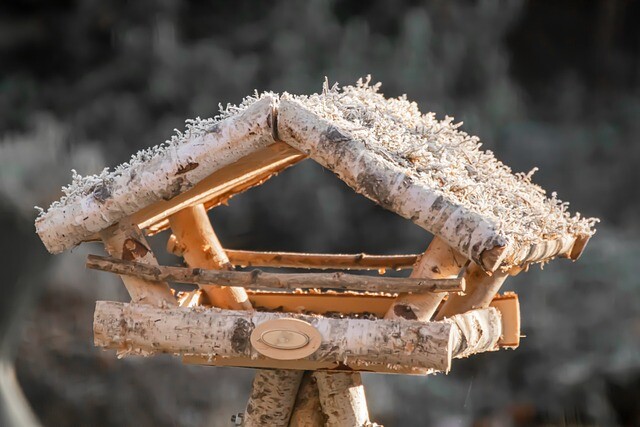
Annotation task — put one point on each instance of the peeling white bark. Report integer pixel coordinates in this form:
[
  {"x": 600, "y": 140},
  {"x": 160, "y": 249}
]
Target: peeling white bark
[
  {"x": 168, "y": 174},
  {"x": 371, "y": 174}
]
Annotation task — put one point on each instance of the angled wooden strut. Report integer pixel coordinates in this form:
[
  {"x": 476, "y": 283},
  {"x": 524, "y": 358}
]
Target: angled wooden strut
[
  {"x": 125, "y": 241},
  {"x": 202, "y": 249},
  {"x": 439, "y": 261},
  {"x": 480, "y": 290}
]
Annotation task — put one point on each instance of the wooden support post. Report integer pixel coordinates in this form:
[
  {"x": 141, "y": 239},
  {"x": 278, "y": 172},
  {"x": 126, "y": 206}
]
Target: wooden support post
[
  {"x": 307, "y": 411},
  {"x": 439, "y": 261},
  {"x": 125, "y": 241},
  {"x": 342, "y": 398},
  {"x": 273, "y": 394},
  {"x": 201, "y": 248},
  {"x": 480, "y": 290}
]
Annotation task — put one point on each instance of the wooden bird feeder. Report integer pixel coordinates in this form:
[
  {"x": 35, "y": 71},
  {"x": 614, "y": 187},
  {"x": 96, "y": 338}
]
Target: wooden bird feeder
[{"x": 487, "y": 224}]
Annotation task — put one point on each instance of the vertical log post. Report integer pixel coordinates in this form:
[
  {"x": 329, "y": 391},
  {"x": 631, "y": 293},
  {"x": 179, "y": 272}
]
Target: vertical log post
[
  {"x": 273, "y": 394},
  {"x": 307, "y": 411},
  {"x": 126, "y": 241},
  {"x": 439, "y": 261},
  {"x": 480, "y": 290},
  {"x": 273, "y": 391},
  {"x": 342, "y": 399}
]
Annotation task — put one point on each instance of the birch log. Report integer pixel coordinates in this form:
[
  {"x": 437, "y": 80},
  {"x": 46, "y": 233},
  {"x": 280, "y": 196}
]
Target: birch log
[
  {"x": 285, "y": 281},
  {"x": 342, "y": 399},
  {"x": 389, "y": 185},
  {"x": 307, "y": 411},
  {"x": 273, "y": 393},
  {"x": 202, "y": 249},
  {"x": 125, "y": 241},
  {"x": 167, "y": 173},
  {"x": 439, "y": 261},
  {"x": 225, "y": 333},
  {"x": 480, "y": 290}
]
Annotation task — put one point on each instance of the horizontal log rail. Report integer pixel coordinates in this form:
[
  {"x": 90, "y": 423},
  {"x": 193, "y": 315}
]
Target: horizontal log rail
[
  {"x": 320, "y": 261},
  {"x": 370, "y": 345},
  {"x": 260, "y": 280}
]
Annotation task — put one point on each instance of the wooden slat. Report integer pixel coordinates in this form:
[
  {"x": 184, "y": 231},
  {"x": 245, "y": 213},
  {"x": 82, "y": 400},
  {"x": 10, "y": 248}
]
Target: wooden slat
[
  {"x": 320, "y": 261},
  {"x": 260, "y": 280},
  {"x": 218, "y": 187}
]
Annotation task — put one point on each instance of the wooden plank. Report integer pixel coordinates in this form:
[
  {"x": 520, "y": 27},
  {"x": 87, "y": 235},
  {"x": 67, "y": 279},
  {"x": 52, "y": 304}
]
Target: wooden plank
[
  {"x": 217, "y": 188},
  {"x": 288, "y": 281},
  {"x": 320, "y": 261}
]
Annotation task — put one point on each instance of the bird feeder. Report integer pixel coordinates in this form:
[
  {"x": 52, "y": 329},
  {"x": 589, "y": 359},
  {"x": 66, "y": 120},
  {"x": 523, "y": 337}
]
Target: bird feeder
[{"x": 309, "y": 334}]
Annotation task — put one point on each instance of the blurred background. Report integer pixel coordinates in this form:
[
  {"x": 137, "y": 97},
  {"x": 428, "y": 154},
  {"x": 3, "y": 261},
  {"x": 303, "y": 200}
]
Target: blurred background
[{"x": 85, "y": 84}]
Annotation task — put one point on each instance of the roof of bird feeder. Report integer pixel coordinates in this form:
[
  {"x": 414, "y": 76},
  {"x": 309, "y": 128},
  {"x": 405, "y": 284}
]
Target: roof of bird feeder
[{"x": 419, "y": 167}]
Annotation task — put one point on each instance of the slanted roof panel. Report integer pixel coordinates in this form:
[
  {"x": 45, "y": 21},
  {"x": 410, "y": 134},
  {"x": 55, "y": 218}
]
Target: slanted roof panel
[
  {"x": 431, "y": 172},
  {"x": 93, "y": 203}
]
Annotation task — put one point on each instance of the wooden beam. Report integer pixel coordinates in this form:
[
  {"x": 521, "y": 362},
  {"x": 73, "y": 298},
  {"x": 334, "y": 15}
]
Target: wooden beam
[
  {"x": 287, "y": 281},
  {"x": 203, "y": 250},
  {"x": 249, "y": 171},
  {"x": 320, "y": 261},
  {"x": 125, "y": 241},
  {"x": 439, "y": 262}
]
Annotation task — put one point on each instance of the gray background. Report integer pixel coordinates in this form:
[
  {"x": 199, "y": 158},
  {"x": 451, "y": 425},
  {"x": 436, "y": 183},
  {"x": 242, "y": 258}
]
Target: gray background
[{"x": 84, "y": 84}]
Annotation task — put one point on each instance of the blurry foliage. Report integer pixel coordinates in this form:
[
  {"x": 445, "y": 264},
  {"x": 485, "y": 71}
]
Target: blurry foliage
[{"x": 553, "y": 85}]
